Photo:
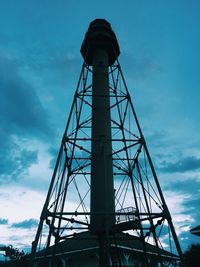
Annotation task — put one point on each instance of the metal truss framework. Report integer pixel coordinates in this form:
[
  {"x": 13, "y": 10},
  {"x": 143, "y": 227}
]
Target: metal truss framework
[{"x": 140, "y": 207}]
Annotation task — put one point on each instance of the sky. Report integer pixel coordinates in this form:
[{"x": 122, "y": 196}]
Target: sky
[{"x": 40, "y": 63}]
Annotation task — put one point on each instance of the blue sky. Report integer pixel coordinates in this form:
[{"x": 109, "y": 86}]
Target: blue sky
[{"x": 39, "y": 68}]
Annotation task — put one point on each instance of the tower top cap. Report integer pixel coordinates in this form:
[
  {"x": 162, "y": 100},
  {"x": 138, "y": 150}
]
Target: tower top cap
[{"x": 100, "y": 35}]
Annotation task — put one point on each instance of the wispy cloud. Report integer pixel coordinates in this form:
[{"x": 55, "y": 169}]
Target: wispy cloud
[
  {"x": 184, "y": 198},
  {"x": 26, "y": 224},
  {"x": 183, "y": 165},
  {"x": 187, "y": 185},
  {"x": 15, "y": 163},
  {"x": 3, "y": 221}
]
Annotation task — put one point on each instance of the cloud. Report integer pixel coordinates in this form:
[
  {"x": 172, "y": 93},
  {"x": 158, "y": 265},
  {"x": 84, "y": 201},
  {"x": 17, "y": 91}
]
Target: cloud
[
  {"x": 185, "y": 186},
  {"x": 192, "y": 207},
  {"x": 188, "y": 192},
  {"x": 15, "y": 163},
  {"x": 3, "y": 221},
  {"x": 26, "y": 224},
  {"x": 190, "y": 188},
  {"x": 186, "y": 239},
  {"x": 20, "y": 107},
  {"x": 22, "y": 116},
  {"x": 54, "y": 154},
  {"x": 183, "y": 165}
]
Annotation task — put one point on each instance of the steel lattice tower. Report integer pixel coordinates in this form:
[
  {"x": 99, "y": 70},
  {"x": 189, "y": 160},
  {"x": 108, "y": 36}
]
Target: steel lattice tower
[{"x": 104, "y": 181}]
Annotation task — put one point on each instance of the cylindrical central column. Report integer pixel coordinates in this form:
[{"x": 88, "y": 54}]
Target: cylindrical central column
[
  {"x": 102, "y": 189},
  {"x": 100, "y": 49}
]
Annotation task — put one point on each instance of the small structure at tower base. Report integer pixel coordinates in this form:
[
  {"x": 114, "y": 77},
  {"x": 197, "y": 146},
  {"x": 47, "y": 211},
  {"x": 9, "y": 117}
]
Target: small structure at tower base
[{"x": 83, "y": 250}]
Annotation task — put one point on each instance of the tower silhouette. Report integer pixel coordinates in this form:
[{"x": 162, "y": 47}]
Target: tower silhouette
[{"x": 104, "y": 186}]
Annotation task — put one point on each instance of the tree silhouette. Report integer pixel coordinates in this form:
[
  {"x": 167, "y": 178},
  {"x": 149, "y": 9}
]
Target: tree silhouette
[
  {"x": 192, "y": 256},
  {"x": 12, "y": 253}
]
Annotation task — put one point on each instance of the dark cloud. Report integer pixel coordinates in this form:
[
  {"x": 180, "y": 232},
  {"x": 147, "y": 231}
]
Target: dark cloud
[
  {"x": 22, "y": 117},
  {"x": 20, "y": 107},
  {"x": 3, "y": 221},
  {"x": 14, "y": 164},
  {"x": 26, "y": 224},
  {"x": 184, "y": 186},
  {"x": 182, "y": 165}
]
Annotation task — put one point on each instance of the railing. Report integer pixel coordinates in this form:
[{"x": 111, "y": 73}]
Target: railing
[{"x": 127, "y": 214}]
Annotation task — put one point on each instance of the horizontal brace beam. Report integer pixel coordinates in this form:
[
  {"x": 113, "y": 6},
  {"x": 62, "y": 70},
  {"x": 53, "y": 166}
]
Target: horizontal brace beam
[
  {"x": 110, "y": 96},
  {"x": 76, "y": 213},
  {"x": 80, "y": 125},
  {"x": 118, "y": 173},
  {"x": 72, "y": 228},
  {"x": 122, "y": 159},
  {"x": 72, "y": 220},
  {"x": 81, "y": 173},
  {"x": 112, "y": 139},
  {"x": 80, "y": 158}
]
